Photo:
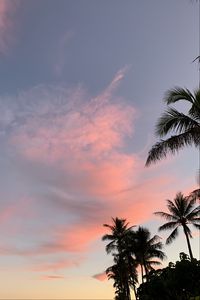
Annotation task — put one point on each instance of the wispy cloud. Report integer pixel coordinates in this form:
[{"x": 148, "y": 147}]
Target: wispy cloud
[
  {"x": 57, "y": 265},
  {"x": 12, "y": 213},
  {"x": 62, "y": 52},
  {"x": 100, "y": 276},
  {"x": 73, "y": 148},
  {"x": 7, "y": 11},
  {"x": 51, "y": 277}
]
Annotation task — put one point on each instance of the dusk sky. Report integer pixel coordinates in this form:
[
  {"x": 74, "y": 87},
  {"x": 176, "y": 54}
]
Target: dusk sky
[{"x": 81, "y": 88}]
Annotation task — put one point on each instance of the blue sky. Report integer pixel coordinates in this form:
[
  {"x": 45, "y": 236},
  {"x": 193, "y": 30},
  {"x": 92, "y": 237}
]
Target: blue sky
[{"x": 82, "y": 84}]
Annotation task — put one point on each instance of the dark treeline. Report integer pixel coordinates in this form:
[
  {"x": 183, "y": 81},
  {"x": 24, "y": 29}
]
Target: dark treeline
[{"x": 136, "y": 252}]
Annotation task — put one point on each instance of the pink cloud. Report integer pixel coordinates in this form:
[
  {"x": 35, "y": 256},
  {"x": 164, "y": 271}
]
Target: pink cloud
[
  {"x": 7, "y": 10},
  {"x": 51, "y": 277},
  {"x": 85, "y": 139},
  {"x": 131, "y": 204},
  {"x": 100, "y": 276},
  {"x": 15, "y": 211},
  {"x": 77, "y": 144},
  {"x": 83, "y": 131},
  {"x": 57, "y": 265},
  {"x": 78, "y": 240},
  {"x": 7, "y": 213}
]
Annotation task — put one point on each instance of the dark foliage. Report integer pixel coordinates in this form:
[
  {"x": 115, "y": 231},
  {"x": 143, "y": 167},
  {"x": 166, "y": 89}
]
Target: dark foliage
[{"x": 176, "y": 282}]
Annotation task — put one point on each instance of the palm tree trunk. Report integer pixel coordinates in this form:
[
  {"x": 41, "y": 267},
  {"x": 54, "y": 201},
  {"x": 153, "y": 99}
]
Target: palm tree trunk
[
  {"x": 142, "y": 273},
  {"x": 146, "y": 270},
  {"x": 128, "y": 292},
  {"x": 188, "y": 243},
  {"x": 133, "y": 277},
  {"x": 135, "y": 291}
]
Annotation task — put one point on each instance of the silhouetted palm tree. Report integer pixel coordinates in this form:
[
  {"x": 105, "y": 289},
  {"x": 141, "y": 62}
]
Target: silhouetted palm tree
[
  {"x": 116, "y": 272},
  {"x": 181, "y": 213},
  {"x": 146, "y": 250},
  {"x": 124, "y": 274},
  {"x": 119, "y": 230},
  {"x": 184, "y": 127},
  {"x": 118, "y": 246}
]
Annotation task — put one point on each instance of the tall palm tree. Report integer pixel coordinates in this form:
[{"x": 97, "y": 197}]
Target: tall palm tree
[
  {"x": 118, "y": 247},
  {"x": 183, "y": 128},
  {"x": 124, "y": 274},
  {"x": 147, "y": 250},
  {"x": 182, "y": 212},
  {"x": 119, "y": 230},
  {"x": 116, "y": 272}
]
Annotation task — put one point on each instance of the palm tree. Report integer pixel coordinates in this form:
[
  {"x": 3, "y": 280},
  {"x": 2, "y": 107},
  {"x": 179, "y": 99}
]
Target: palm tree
[
  {"x": 146, "y": 250},
  {"x": 185, "y": 128},
  {"x": 119, "y": 230},
  {"x": 118, "y": 247},
  {"x": 124, "y": 274},
  {"x": 182, "y": 212},
  {"x": 115, "y": 272}
]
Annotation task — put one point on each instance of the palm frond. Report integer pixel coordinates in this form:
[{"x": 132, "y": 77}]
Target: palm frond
[
  {"x": 187, "y": 229},
  {"x": 173, "y": 207},
  {"x": 107, "y": 237},
  {"x": 195, "y": 193},
  {"x": 156, "y": 246},
  {"x": 110, "y": 247},
  {"x": 196, "y": 225},
  {"x": 153, "y": 262},
  {"x": 181, "y": 204},
  {"x": 168, "y": 226},
  {"x": 177, "y": 94},
  {"x": 172, "y": 236},
  {"x": 108, "y": 226},
  {"x": 173, "y": 120},
  {"x": 154, "y": 240},
  {"x": 195, "y": 108},
  {"x": 157, "y": 253},
  {"x": 194, "y": 220},
  {"x": 173, "y": 145},
  {"x": 191, "y": 202},
  {"x": 165, "y": 215},
  {"x": 194, "y": 213}
]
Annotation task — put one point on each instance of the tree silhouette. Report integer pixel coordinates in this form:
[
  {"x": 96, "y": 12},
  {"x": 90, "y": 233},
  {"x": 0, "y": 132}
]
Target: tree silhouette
[
  {"x": 147, "y": 250},
  {"x": 124, "y": 268},
  {"x": 124, "y": 274},
  {"x": 179, "y": 281},
  {"x": 184, "y": 127},
  {"x": 182, "y": 212}
]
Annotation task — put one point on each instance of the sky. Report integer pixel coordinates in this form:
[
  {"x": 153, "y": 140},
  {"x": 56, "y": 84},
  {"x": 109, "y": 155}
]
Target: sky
[{"x": 81, "y": 88}]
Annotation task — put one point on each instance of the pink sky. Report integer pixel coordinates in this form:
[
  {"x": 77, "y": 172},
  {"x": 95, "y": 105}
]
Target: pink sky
[{"x": 81, "y": 90}]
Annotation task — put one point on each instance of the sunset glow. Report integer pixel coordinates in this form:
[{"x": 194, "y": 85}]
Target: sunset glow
[{"x": 82, "y": 84}]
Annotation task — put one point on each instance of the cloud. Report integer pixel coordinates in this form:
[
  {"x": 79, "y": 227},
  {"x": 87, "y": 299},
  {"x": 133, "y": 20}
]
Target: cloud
[
  {"x": 7, "y": 11},
  {"x": 82, "y": 139},
  {"x": 56, "y": 265},
  {"x": 72, "y": 149},
  {"x": 64, "y": 125},
  {"x": 51, "y": 277},
  {"x": 12, "y": 214},
  {"x": 100, "y": 276},
  {"x": 62, "y": 52}
]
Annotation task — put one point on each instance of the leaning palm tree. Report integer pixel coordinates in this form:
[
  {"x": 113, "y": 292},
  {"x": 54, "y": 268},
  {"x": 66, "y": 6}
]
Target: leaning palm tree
[
  {"x": 147, "y": 250},
  {"x": 184, "y": 129},
  {"x": 182, "y": 212}
]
